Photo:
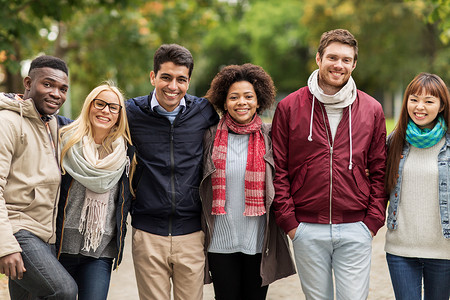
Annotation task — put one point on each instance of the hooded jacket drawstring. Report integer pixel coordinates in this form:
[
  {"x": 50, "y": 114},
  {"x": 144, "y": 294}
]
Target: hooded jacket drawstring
[
  {"x": 350, "y": 165},
  {"x": 311, "y": 122},
  {"x": 21, "y": 122}
]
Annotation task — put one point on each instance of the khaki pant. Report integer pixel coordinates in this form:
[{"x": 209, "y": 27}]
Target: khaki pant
[{"x": 157, "y": 259}]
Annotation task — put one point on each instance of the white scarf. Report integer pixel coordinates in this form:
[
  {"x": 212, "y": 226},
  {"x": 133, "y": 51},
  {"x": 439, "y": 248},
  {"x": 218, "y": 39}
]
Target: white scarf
[
  {"x": 345, "y": 97},
  {"x": 98, "y": 176},
  {"x": 82, "y": 162}
]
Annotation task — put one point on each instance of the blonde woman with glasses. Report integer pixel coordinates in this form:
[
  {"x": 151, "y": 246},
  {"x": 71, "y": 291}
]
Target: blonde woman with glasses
[{"x": 95, "y": 194}]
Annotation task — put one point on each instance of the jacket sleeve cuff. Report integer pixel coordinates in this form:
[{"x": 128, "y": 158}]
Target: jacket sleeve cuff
[
  {"x": 373, "y": 224},
  {"x": 9, "y": 247},
  {"x": 289, "y": 224}
]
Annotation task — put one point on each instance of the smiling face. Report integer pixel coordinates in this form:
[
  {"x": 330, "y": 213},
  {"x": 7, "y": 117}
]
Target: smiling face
[
  {"x": 48, "y": 89},
  {"x": 241, "y": 102},
  {"x": 103, "y": 120},
  {"x": 423, "y": 109},
  {"x": 171, "y": 84},
  {"x": 335, "y": 67}
]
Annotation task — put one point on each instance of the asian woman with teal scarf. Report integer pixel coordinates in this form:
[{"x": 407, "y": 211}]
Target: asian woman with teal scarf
[{"x": 418, "y": 181}]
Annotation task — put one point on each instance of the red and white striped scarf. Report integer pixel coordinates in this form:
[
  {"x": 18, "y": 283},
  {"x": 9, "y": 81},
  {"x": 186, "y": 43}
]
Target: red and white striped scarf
[{"x": 255, "y": 184}]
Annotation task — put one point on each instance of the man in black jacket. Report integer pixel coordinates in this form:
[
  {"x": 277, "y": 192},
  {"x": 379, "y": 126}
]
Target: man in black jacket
[{"x": 167, "y": 128}]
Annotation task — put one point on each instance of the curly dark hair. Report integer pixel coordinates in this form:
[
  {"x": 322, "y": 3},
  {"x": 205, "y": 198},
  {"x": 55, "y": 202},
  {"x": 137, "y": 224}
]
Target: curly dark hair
[{"x": 261, "y": 81}]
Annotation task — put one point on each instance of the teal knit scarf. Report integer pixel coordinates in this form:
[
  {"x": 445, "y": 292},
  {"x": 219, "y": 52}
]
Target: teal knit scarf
[{"x": 425, "y": 138}]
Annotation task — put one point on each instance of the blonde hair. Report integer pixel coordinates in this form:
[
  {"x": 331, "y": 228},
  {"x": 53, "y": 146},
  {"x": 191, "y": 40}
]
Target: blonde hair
[{"x": 75, "y": 131}]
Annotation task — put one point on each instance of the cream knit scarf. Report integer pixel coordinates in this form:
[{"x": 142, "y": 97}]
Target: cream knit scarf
[
  {"x": 98, "y": 175},
  {"x": 346, "y": 95}
]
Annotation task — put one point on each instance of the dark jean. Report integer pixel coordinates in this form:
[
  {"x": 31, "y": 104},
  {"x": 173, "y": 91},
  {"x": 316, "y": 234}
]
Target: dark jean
[
  {"x": 407, "y": 274},
  {"x": 91, "y": 274},
  {"x": 45, "y": 277},
  {"x": 236, "y": 276}
]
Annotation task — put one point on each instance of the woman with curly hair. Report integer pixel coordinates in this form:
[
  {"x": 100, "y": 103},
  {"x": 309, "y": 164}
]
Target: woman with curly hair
[
  {"x": 417, "y": 178},
  {"x": 95, "y": 192},
  {"x": 246, "y": 250}
]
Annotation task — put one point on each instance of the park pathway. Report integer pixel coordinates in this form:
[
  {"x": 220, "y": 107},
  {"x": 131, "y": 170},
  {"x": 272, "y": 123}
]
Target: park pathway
[{"x": 123, "y": 283}]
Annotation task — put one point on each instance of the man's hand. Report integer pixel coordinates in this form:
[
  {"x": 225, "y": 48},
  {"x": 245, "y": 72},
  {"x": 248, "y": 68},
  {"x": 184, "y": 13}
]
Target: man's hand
[
  {"x": 12, "y": 265},
  {"x": 291, "y": 233}
]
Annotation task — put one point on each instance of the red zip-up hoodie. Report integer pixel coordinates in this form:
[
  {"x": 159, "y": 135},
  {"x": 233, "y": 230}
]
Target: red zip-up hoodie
[{"x": 323, "y": 181}]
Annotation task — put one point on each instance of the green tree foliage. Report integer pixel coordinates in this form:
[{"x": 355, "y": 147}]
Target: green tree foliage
[
  {"x": 116, "y": 39},
  {"x": 283, "y": 36},
  {"x": 437, "y": 12},
  {"x": 23, "y": 24},
  {"x": 393, "y": 45}
]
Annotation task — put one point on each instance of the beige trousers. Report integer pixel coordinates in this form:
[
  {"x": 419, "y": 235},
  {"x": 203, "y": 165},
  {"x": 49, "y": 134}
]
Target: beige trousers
[{"x": 158, "y": 259}]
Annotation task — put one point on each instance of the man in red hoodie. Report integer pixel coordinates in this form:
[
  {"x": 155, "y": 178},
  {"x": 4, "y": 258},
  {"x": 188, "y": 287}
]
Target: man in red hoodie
[{"x": 324, "y": 137}]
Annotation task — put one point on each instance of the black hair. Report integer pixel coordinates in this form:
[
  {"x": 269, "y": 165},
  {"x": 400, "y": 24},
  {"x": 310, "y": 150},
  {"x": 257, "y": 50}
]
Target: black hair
[
  {"x": 174, "y": 53},
  {"x": 47, "y": 61}
]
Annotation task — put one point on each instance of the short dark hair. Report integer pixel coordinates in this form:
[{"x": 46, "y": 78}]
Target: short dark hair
[
  {"x": 174, "y": 53},
  {"x": 261, "y": 81},
  {"x": 342, "y": 36},
  {"x": 47, "y": 61}
]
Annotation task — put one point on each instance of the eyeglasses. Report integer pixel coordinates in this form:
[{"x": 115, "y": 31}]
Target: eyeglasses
[{"x": 113, "y": 107}]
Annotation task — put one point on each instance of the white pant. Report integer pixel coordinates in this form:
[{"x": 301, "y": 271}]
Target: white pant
[{"x": 344, "y": 248}]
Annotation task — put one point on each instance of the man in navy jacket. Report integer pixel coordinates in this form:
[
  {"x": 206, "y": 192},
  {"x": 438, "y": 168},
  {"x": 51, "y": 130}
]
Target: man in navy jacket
[{"x": 167, "y": 128}]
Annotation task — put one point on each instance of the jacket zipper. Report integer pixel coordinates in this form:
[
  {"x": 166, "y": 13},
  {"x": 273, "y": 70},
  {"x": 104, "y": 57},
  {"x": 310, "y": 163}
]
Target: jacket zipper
[
  {"x": 121, "y": 226},
  {"x": 172, "y": 179},
  {"x": 127, "y": 171},
  {"x": 64, "y": 220},
  {"x": 330, "y": 144},
  {"x": 55, "y": 155},
  {"x": 205, "y": 213},
  {"x": 267, "y": 229}
]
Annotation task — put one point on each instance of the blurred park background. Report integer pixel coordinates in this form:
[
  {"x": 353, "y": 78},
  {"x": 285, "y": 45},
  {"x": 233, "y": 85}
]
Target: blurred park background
[{"x": 116, "y": 39}]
